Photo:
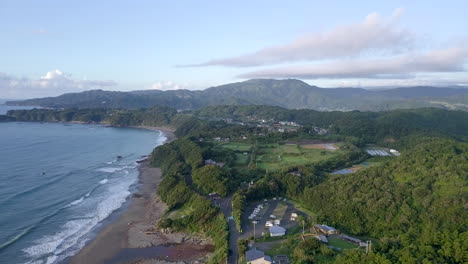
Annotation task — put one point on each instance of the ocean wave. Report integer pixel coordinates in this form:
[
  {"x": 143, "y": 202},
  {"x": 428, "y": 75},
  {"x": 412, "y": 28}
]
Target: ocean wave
[
  {"x": 77, "y": 201},
  {"x": 109, "y": 169},
  {"x": 67, "y": 241},
  {"x": 56, "y": 178},
  {"x": 103, "y": 181},
  {"x": 15, "y": 238}
]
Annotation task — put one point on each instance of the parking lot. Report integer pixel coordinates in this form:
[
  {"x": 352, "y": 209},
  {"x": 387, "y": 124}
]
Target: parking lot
[{"x": 264, "y": 215}]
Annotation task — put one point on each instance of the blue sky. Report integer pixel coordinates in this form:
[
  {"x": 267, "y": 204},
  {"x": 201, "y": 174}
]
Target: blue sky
[{"x": 53, "y": 47}]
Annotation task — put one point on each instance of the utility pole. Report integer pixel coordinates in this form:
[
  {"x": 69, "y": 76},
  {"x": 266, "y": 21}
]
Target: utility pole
[
  {"x": 368, "y": 246},
  {"x": 254, "y": 222}
]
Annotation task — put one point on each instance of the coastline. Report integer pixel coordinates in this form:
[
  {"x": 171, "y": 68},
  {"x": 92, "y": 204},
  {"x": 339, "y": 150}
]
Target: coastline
[{"x": 132, "y": 238}]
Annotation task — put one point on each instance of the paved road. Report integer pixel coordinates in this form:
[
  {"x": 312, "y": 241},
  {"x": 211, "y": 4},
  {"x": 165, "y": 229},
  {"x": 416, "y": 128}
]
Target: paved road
[{"x": 225, "y": 205}]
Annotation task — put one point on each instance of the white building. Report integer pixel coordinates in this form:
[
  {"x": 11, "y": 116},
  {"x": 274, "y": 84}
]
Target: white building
[{"x": 276, "y": 231}]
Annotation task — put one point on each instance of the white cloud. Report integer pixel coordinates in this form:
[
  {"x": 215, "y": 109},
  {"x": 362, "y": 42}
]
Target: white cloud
[
  {"x": 52, "y": 83},
  {"x": 396, "y": 67},
  {"x": 168, "y": 85},
  {"x": 376, "y": 34}
]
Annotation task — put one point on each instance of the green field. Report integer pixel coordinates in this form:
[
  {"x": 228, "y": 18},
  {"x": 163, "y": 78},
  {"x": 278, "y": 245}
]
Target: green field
[
  {"x": 275, "y": 157},
  {"x": 237, "y": 146},
  {"x": 242, "y": 159},
  {"x": 336, "y": 242}
]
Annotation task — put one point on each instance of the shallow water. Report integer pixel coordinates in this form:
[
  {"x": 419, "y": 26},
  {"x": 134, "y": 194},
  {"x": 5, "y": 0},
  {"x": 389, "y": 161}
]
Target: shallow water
[{"x": 58, "y": 182}]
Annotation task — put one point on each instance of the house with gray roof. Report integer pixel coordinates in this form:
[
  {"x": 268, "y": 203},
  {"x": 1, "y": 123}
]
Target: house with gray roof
[{"x": 255, "y": 256}]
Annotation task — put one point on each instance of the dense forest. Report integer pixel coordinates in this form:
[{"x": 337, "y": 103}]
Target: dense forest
[
  {"x": 177, "y": 161},
  {"x": 416, "y": 204}
]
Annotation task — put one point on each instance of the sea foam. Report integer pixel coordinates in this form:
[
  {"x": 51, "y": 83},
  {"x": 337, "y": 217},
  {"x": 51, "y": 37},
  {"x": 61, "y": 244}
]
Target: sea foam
[
  {"x": 110, "y": 169},
  {"x": 72, "y": 235}
]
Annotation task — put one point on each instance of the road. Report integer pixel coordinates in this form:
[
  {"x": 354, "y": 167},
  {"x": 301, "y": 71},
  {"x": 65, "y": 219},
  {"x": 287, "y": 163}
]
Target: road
[{"x": 225, "y": 204}]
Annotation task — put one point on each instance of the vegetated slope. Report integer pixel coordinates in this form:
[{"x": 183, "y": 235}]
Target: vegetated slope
[
  {"x": 293, "y": 94},
  {"x": 416, "y": 204}
]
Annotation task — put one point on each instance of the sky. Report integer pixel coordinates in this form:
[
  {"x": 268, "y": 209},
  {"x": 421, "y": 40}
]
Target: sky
[{"x": 48, "y": 48}]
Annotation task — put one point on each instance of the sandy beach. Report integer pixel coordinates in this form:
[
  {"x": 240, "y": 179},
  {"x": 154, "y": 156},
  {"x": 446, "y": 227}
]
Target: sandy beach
[{"x": 133, "y": 238}]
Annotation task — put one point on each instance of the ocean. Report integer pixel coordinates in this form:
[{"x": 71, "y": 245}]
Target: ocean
[{"x": 59, "y": 183}]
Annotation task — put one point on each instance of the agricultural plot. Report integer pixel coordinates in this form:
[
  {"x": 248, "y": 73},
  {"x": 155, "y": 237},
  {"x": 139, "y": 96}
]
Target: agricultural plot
[
  {"x": 237, "y": 146},
  {"x": 288, "y": 155},
  {"x": 323, "y": 146}
]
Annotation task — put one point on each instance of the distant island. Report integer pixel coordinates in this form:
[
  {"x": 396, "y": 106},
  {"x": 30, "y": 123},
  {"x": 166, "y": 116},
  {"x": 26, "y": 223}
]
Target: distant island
[
  {"x": 290, "y": 93},
  {"x": 304, "y": 185}
]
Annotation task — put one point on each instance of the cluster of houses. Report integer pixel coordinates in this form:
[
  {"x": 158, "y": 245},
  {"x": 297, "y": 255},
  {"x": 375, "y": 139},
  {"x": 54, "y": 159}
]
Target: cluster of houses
[{"x": 320, "y": 131}]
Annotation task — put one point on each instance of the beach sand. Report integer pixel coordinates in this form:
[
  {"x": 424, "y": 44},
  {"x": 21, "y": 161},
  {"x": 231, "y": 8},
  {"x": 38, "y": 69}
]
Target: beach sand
[{"x": 132, "y": 237}]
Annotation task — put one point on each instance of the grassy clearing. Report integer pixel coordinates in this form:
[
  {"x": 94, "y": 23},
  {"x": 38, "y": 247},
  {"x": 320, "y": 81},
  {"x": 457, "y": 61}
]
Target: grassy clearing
[
  {"x": 280, "y": 210},
  {"x": 178, "y": 213},
  {"x": 242, "y": 159},
  {"x": 288, "y": 155},
  {"x": 339, "y": 243},
  {"x": 278, "y": 249},
  {"x": 238, "y": 146},
  {"x": 303, "y": 209}
]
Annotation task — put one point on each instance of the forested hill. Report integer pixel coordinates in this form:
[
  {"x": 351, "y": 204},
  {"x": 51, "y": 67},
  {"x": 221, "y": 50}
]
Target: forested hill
[
  {"x": 292, "y": 94},
  {"x": 416, "y": 204}
]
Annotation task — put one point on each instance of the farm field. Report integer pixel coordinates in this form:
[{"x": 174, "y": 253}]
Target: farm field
[
  {"x": 288, "y": 155},
  {"x": 237, "y": 146},
  {"x": 274, "y": 156}
]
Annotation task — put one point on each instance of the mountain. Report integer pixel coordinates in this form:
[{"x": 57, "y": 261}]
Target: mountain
[{"x": 293, "y": 94}]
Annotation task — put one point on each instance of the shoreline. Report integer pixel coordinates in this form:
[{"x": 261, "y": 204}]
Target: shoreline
[{"x": 132, "y": 237}]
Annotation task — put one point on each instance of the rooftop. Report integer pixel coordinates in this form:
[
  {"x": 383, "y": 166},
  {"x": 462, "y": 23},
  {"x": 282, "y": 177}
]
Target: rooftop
[{"x": 253, "y": 254}]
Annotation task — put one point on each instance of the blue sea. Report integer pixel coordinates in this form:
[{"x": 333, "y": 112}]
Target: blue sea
[{"x": 60, "y": 182}]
